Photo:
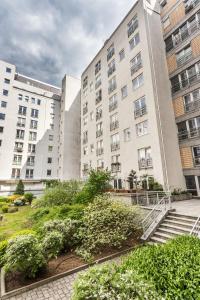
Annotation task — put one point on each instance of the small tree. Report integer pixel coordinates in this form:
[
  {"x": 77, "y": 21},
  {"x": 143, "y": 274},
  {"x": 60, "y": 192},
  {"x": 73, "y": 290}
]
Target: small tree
[
  {"x": 98, "y": 182},
  {"x": 132, "y": 179},
  {"x": 19, "y": 188}
]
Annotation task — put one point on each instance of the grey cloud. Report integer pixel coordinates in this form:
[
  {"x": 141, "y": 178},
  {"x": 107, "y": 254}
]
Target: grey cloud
[{"x": 46, "y": 39}]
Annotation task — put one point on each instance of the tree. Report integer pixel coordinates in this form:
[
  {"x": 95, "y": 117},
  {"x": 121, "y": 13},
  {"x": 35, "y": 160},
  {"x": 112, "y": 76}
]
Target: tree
[
  {"x": 19, "y": 188},
  {"x": 132, "y": 179}
]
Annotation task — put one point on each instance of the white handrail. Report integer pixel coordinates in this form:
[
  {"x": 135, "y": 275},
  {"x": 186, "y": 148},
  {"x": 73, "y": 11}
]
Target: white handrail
[{"x": 196, "y": 228}]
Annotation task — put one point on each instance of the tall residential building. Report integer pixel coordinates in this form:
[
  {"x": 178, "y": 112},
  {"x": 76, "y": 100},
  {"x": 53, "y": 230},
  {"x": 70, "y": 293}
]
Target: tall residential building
[
  {"x": 127, "y": 119},
  {"x": 181, "y": 29},
  {"x": 31, "y": 128}
]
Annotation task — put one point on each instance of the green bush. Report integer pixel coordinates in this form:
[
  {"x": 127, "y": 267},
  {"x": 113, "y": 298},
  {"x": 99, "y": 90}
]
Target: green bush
[
  {"x": 106, "y": 223},
  {"x": 109, "y": 283},
  {"x": 39, "y": 213},
  {"x": 3, "y": 199},
  {"x": 28, "y": 197},
  {"x": 74, "y": 212},
  {"x": 19, "y": 188},
  {"x": 23, "y": 232},
  {"x": 12, "y": 209},
  {"x": 4, "y": 209},
  {"x": 24, "y": 254},
  {"x": 52, "y": 244},
  {"x": 3, "y": 248},
  {"x": 173, "y": 268},
  {"x": 3, "y": 204}
]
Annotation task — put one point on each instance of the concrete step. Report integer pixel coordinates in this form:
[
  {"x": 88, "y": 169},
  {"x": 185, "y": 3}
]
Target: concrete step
[
  {"x": 178, "y": 223},
  {"x": 162, "y": 235},
  {"x": 181, "y": 219},
  {"x": 176, "y": 228},
  {"x": 170, "y": 231},
  {"x": 158, "y": 240},
  {"x": 175, "y": 214}
]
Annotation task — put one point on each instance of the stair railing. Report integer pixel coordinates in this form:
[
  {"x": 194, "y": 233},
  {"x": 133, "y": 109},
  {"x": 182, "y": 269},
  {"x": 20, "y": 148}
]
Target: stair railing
[
  {"x": 152, "y": 220},
  {"x": 196, "y": 228}
]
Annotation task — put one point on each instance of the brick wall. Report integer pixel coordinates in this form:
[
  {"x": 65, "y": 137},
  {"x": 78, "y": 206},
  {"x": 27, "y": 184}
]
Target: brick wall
[
  {"x": 186, "y": 158},
  {"x": 178, "y": 107}
]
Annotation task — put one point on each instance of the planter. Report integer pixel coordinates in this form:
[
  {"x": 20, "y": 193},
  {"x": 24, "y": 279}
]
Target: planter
[{"x": 181, "y": 197}]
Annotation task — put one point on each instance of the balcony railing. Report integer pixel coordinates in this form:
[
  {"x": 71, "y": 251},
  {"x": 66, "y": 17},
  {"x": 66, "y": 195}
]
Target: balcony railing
[
  {"x": 197, "y": 161},
  {"x": 132, "y": 28},
  {"x": 115, "y": 167},
  {"x": 193, "y": 106},
  {"x": 136, "y": 67},
  {"x": 85, "y": 141},
  {"x": 97, "y": 84},
  {"x": 111, "y": 70},
  {"x": 145, "y": 163},
  {"x": 185, "y": 134},
  {"x": 110, "y": 54},
  {"x": 140, "y": 112},
  {"x": 99, "y": 133},
  {"x": 112, "y": 106},
  {"x": 190, "y": 4},
  {"x": 99, "y": 151},
  {"x": 20, "y": 124},
  {"x": 112, "y": 87},
  {"x": 17, "y": 163},
  {"x": 98, "y": 99},
  {"x": 185, "y": 83},
  {"x": 17, "y": 149},
  {"x": 99, "y": 115},
  {"x": 182, "y": 60},
  {"x": 115, "y": 146},
  {"x": 85, "y": 110},
  {"x": 114, "y": 125}
]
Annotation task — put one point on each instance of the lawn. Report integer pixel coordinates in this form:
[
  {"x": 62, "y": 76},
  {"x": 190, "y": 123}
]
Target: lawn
[{"x": 13, "y": 222}]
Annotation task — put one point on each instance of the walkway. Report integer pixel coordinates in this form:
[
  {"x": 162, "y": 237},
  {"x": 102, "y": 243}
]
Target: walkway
[{"x": 187, "y": 207}]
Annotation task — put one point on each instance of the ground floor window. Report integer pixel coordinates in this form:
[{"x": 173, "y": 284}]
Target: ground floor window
[
  {"x": 118, "y": 184},
  {"x": 191, "y": 184}
]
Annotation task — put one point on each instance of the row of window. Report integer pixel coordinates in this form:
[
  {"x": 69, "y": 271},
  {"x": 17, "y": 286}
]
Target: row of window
[
  {"x": 17, "y": 160},
  {"x": 27, "y": 98},
  {"x": 19, "y": 147},
  {"x": 20, "y": 134},
  {"x": 29, "y": 173},
  {"x": 189, "y": 129},
  {"x": 23, "y": 111}
]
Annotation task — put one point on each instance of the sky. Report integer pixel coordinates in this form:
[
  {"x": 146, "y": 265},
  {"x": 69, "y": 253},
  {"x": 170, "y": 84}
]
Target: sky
[{"x": 46, "y": 39}]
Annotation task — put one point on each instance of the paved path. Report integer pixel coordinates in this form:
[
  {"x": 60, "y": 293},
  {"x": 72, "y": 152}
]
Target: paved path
[
  {"x": 187, "y": 207},
  {"x": 60, "y": 289}
]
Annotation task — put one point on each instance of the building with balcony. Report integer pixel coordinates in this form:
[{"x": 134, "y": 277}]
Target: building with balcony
[
  {"x": 181, "y": 31},
  {"x": 127, "y": 87}
]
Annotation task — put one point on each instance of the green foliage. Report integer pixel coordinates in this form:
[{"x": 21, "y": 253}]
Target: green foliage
[
  {"x": 3, "y": 199},
  {"x": 154, "y": 185},
  {"x": 24, "y": 232},
  {"x": 51, "y": 183},
  {"x": 12, "y": 209},
  {"x": 24, "y": 254},
  {"x": 108, "y": 282},
  {"x": 19, "y": 188},
  {"x": 73, "y": 212},
  {"x": 3, "y": 248},
  {"x": 3, "y": 204},
  {"x": 4, "y": 209},
  {"x": 106, "y": 223},
  {"x": 53, "y": 244},
  {"x": 28, "y": 197},
  {"x": 173, "y": 268}
]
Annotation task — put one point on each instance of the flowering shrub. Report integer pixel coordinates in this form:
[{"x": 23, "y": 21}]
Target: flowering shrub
[
  {"x": 52, "y": 244},
  {"x": 24, "y": 254},
  {"x": 3, "y": 248}
]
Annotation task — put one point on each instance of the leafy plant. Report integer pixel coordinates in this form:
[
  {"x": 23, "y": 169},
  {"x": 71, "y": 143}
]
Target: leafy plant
[
  {"x": 24, "y": 254},
  {"x": 19, "y": 188},
  {"x": 28, "y": 197},
  {"x": 4, "y": 209},
  {"x": 3, "y": 248},
  {"x": 52, "y": 244}
]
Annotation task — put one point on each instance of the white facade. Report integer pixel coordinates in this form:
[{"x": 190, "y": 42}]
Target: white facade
[{"x": 127, "y": 120}]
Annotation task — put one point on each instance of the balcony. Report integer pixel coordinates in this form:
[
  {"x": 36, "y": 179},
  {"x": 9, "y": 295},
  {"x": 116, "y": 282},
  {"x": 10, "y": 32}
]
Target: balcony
[
  {"x": 85, "y": 170},
  {"x": 98, "y": 99},
  {"x": 186, "y": 83},
  {"x": 140, "y": 112},
  {"x": 30, "y": 163},
  {"x": 190, "y": 4},
  {"x": 97, "y": 84},
  {"x": 112, "y": 87},
  {"x": 113, "y": 106},
  {"x": 99, "y": 115},
  {"x": 132, "y": 28},
  {"x": 186, "y": 135},
  {"x": 145, "y": 163},
  {"x": 115, "y": 146},
  {"x": 99, "y": 133},
  {"x": 85, "y": 141},
  {"x": 197, "y": 161},
  {"x": 99, "y": 151},
  {"x": 110, "y": 54},
  {"x": 111, "y": 70},
  {"x": 85, "y": 110},
  {"x": 18, "y": 149},
  {"x": 17, "y": 163},
  {"x": 20, "y": 124},
  {"x": 192, "y": 106},
  {"x": 182, "y": 60},
  {"x": 116, "y": 167},
  {"x": 136, "y": 67},
  {"x": 114, "y": 125}
]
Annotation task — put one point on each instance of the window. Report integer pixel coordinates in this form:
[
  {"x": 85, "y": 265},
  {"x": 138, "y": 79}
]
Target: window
[
  {"x": 32, "y": 136},
  {"x": 29, "y": 173},
  {"x": 136, "y": 63},
  {"x": 144, "y": 158},
  {"x": 17, "y": 159},
  {"x": 85, "y": 82},
  {"x": 38, "y": 101},
  {"x": 31, "y": 148},
  {"x": 166, "y": 23},
  {"x": 114, "y": 122},
  {"x": 0, "y": 143},
  {"x": 50, "y": 148},
  {"x": 115, "y": 143},
  {"x": 3, "y": 104},
  {"x": 49, "y": 160},
  {"x": 184, "y": 55},
  {"x": 98, "y": 96},
  {"x": 92, "y": 116},
  {"x": 98, "y": 81},
  {"x": 100, "y": 163},
  {"x": 30, "y": 160},
  {"x": 20, "y": 97},
  {"x": 97, "y": 67},
  {"x": 113, "y": 102},
  {"x": 15, "y": 173},
  {"x": 52, "y": 126},
  {"x": 112, "y": 85},
  {"x": 21, "y": 122},
  {"x": 2, "y": 116},
  {"x": 48, "y": 172},
  {"x": 5, "y": 92},
  {"x": 22, "y": 110},
  {"x": 26, "y": 98},
  {"x": 99, "y": 113},
  {"x": 110, "y": 52},
  {"x": 85, "y": 150},
  {"x": 196, "y": 155},
  {"x": 20, "y": 134},
  {"x": 50, "y": 137},
  {"x": 121, "y": 54},
  {"x": 92, "y": 148},
  {"x": 142, "y": 128},
  {"x": 99, "y": 129},
  {"x": 115, "y": 163},
  {"x": 85, "y": 108},
  {"x": 8, "y": 70},
  {"x": 7, "y": 81},
  {"x": 138, "y": 81},
  {"x": 134, "y": 41},
  {"x": 127, "y": 134},
  {"x": 163, "y": 3},
  {"x": 111, "y": 68},
  {"x": 132, "y": 25},
  {"x": 140, "y": 107},
  {"x": 124, "y": 91},
  {"x": 18, "y": 147},
  {"x": 99, "y": 147},
  {"x": 34, "y": 124},
  {"x": 33, "y": 100},
  {"x": 1, "y": 129},
  {"x": 191, "y": 101},
  {"x": 34, "y": 113}
]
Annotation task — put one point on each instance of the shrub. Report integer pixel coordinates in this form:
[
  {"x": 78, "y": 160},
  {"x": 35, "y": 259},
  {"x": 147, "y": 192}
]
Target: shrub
[
  {"x": 24, "y": 254},
  {"x": 3, "y": 199},
  {"x": 28, "y": 197},
  {"x": 23, "y": 232},
  {"x": 39, "y": 213},
  {"x": 106, "y": 223},
  {"x": 3, "y": 248},
  {"x": 173, "y": 268},
  {"x": 13, "y": 197},
  {"x": 12, "y": 209},
  {"x": 4, "y": 209},
  {"x": 52, "y": 244},
  {"x": 109, "y": 283},
  {"x": 74, "y": 212},
  {"x": 3, "y": 204},
  {"x": 19, "y": 188}
]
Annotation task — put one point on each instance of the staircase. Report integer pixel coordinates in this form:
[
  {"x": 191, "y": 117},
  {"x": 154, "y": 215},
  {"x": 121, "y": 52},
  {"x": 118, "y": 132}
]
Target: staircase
[{"x": 172, "y": 225}]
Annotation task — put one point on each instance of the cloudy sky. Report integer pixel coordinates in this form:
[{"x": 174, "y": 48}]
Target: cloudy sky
[{"x": 48, "y": 38}]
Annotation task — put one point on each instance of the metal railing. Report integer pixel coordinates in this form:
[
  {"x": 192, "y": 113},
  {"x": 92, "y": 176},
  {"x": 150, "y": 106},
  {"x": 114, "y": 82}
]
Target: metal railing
[
  {"x": 140, "y": 112},
  {"x": 136, "y": 67},
  {"x": 185, "y": 83},
  {"x": 192, "y": 106},
  {"x": 114, "y": 125},
  {"x": 145, "y": 163},
  {"x": 113, "y": 106},
  {"x": 196, "y": 228},
  {"x": 182, "y": 60},
  {"x": 188, "y": 134},
  {"x": 152, "y": 220},
  {"x": 132, "y": 28},
  {"x": 115, "y": 146},
  {"x": 148, "y": 198}
]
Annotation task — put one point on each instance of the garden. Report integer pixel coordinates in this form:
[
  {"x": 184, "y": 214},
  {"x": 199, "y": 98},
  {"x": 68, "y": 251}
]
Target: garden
[{"x": 70, "y": 225}]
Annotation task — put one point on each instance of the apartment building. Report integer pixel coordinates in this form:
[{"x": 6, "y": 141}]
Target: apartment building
[
  {"x": 181, "y": 30},
  {"x": 30, "y": 129},
  {"x": 127, "y": 119}
]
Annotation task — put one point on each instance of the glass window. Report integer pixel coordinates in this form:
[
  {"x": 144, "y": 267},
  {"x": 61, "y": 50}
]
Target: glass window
[
  {"x": 5, "y": 92},
  {"x": 38, "y": 101},
  {"x": 50, "y": 137},
  {"x": 29, "y": 173},
  {"x": 127, "y": 134},
  {"x": 20, "y": 134},
  {"x": 34, "y": 124},
  {"x": 22, "y": 110},
  {"x": 121, "y": 54},
  {"x": 142, "y": 128},
  {"x": 6, "y": 80},
  {"x": 138, "y": 81},
  {"x": 1, "y": 129},
  {"x": 32, "y": 136},
  {"x": 8, "y": 70},
  {"x": 34, "y": 113},
  {"x": 134, "y": 41},
  {"x": 50, "y": 148},
  {"x": 48, "y": 172},
  {"x": 2, "y": 116},
  {"x": 124, "y": 91},
  {"x": 3, "y": 104},
  {"x": 31, "y": 148},
  {"x": 20, "y": 97}
]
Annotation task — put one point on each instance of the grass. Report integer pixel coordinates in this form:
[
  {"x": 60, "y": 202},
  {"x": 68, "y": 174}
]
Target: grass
[{"x": 13, "y": 222}]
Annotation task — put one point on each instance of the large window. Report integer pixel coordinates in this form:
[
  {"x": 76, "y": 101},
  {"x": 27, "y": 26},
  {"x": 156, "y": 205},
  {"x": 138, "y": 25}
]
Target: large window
[
  {"x": 29, "y": 173},
  {"x": 32, "y": 136},
  {"x": 142, "y": 128},
  {"x": 192, "y": 101},
  {"x": 2, "y": 116},
  {"x": 115, "y": 142},
  {"x": 138, "y": 81},
  {"x": 140, "y": 107},
  {"x": 136, "y": 63},
  {"x": 17, "y": 160},
  {"x": 144, "y": 158},
  {"x": 134, "y": 41},
  {"x": 132, "y": 25},
  {"x": 112, "y": 85},
  {"x": 34, "y": 124},
  {"x": 31, "y": 148},
  {"x": 113, "y": 102},
  {"x": 34, "y": 113},
  {"x": 196, "y": 155},
  {"x": 15, "y": 173},
  {"x": 20, "y": 134},
  {"x": 22, "y": 110}
]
